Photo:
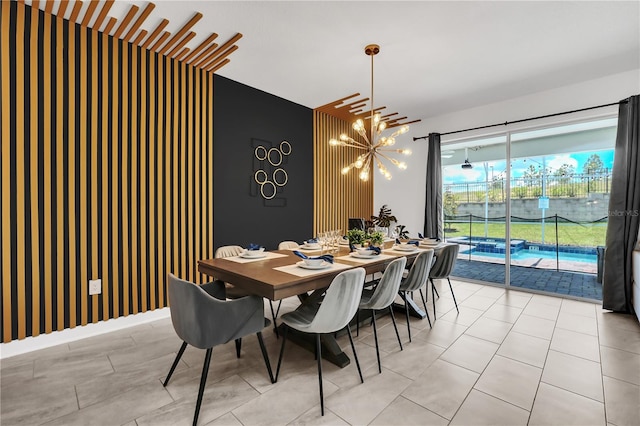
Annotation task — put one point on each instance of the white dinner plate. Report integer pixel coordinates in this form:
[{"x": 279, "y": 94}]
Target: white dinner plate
[
  {"x": 253, "y": 256},
  {"x": 362, "y": 256},
  {"x": 323, "y": 265},
  {"x": 400, "y": 248},
  {"x": 311, "y": 247}
]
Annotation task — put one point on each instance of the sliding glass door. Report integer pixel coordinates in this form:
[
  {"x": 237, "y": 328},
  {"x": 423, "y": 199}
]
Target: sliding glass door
[{"x": 537, "y": 220}]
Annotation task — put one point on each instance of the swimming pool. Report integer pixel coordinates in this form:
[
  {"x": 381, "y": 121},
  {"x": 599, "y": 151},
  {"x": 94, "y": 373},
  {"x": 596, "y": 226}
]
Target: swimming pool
[{"x": 538, "y": 254}]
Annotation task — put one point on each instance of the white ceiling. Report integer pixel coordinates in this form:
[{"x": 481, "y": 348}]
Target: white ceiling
[{"x": 436, "y": 56}]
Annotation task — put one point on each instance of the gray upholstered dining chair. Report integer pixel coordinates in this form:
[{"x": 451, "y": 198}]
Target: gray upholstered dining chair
[
  {"x": 332, "y": 314},
  {"x": 288, "y": 245},
  {"x": 234, "y": 292},
  {"x": 441, "y": 269},
  {"x": 416, "y": 280},
  {"x": 382, "y": 297},
  {"x": 203, "y": 318}
]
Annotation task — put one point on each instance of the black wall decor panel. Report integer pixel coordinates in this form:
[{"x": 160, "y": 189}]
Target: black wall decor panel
[{"x": 249, "y": 128}]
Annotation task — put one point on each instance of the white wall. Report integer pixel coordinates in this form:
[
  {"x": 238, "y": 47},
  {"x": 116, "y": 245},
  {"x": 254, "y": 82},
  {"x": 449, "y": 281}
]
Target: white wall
[{"x": 405, "y": 192}]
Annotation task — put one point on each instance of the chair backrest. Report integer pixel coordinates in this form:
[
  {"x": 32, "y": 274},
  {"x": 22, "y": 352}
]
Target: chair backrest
[
  {"x": 387, "y": 289},
  {"x": 445, "y": 260},
  {"x": 419, "y": 272},
  {"x": 340, "y": 302},
  {"x": 356, "y": 223},
  {"x": 228, "y": 251},
  {"x": 288, "y": 245},
  {"x": 204, "y": 321}
]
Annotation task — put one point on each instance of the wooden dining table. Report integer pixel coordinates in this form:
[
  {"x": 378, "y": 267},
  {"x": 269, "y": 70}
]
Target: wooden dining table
[{"x": 277, "y": 276}]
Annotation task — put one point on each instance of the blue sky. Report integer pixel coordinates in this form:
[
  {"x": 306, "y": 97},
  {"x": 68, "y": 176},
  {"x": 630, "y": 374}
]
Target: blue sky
[{"x": 455, "y": 174}]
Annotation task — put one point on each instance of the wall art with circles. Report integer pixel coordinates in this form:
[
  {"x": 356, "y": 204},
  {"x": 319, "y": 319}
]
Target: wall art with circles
[{"x": 270, "y": 175}]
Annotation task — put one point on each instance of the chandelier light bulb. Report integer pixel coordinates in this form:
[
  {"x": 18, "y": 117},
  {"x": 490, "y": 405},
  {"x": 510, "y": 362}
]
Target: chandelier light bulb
[
  {"x": 333, "y": 142},
  {"x": 364, "y": 175}
]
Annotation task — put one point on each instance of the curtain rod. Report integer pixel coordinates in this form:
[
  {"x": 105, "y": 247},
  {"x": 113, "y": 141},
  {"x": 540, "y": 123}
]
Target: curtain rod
[{"x": 624, "y": 101}]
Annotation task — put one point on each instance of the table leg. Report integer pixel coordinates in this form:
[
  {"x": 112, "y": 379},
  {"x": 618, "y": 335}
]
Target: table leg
[
  {"x": 331, "y": 350},
  {"x": 414, "y": 310}
]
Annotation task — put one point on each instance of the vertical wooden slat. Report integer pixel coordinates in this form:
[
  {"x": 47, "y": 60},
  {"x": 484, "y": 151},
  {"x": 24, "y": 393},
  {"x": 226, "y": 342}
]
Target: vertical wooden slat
[
  {"x": 71, "y": 173},
  {"x": 107, "y": 282},
  {"x": 94, "y": 174},
  {"x": 143, "y": 143},
  {"x": 115, "y": 196},
  {"x": 182, "y": 172},
  {"x": 134, "y": 143},
  {"x": 7, "y": 309},
  {"x": 48, "y": 187},
  {"x": 168, "y": 203},
  {"x": 197, "y": 93},
  {"x": 82, "y": 196},
  {"x": 126, "y": 243},
  {"x": 153, "y": 211},
  {"x": 191, "y": 229},
  {"x": 102, "y": 15},
  {"x": 33, "y": 168},
  {"x": 60, "y": 173},
  {"x": 174, "y": 167},
  {"x": 210, "y": 157},
  {"x": 48, "y": 6}
]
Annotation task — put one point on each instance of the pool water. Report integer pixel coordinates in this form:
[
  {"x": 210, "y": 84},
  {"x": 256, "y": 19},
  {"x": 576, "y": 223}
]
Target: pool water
[{"x": 541, "y": 254}]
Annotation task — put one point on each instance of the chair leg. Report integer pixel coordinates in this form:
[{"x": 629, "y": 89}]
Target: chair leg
[
  {"x": 319, "y": 356},
  {"x": 265, "y": 356},
  {"x": 395, "y": 327},
  {"x": 375, "y": 336},
  {"x": 424, "y": 301},
  {"x": 435, "y": 290},
  {"x": 203, "y": 382},
  {"x": 454, "y": 296},
  {"x": 274, "y": 316},
  {"x": 284, "y": 339},
  {"x": 238, "y": 347},
  {"x": 433, "y": 297},
  {"x": 406, "y": 311},
  {"x": 175, "y": 363},
  {"x": 355, "y": 355}
]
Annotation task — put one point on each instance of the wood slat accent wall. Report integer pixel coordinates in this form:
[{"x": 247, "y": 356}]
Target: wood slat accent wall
[
  {"x": 337, "y": 197},
  {"x": 106, "y": 172}
]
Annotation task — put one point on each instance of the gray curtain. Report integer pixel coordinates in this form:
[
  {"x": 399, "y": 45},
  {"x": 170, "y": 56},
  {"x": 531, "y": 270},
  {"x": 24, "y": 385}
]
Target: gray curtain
[
  {"x": 433, "y": 204},
  {"x": 624, "y": 210}
]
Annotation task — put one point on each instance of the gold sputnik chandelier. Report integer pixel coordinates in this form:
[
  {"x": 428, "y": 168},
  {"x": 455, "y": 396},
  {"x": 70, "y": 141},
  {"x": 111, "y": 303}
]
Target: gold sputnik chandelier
[{"x": 378, "y": 147}]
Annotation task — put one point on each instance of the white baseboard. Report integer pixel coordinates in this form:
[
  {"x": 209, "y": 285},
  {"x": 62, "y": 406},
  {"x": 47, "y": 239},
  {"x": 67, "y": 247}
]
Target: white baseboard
[{"x": 43, "y": 341}]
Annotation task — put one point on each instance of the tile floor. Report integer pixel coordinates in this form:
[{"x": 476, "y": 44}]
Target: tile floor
[{"x": 508, "y": 358}]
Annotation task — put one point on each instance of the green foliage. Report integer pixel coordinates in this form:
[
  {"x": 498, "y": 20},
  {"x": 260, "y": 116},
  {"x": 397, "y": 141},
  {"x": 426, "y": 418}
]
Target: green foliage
[
  {"x": 449, "y": 204},
  {"x": 375, "y": 238},
  {"x": 519, "y": 192},
  {"x": 356, "y": 236},
  {"x": 593, "y": 165},
  {"x": 384, "y": 217}
]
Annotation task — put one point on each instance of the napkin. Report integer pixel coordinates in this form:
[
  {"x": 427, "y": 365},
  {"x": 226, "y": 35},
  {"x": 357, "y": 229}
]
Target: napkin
[
  {"x": 326, "y": 257},
  {"x": 352, "y": 248},
  {"x": 414, "y": 242},
  {"x": 375, "y": 249},
  {"x": 252, "y": 246},
  {"x": 312, "y": 241},
  {"x": 420, "y": 236}
]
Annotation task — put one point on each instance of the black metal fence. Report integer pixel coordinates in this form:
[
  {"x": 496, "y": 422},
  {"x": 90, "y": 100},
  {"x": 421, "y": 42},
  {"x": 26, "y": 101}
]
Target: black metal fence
[{"x": 553, "y": 186}]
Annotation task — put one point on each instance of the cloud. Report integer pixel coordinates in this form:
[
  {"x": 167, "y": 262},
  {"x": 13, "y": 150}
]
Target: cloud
[{"x": 555, "y": 162}]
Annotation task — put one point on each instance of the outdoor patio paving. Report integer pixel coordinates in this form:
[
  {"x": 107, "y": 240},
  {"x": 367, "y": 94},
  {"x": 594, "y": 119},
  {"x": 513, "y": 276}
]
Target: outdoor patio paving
[{"x": 560, "y": 282}]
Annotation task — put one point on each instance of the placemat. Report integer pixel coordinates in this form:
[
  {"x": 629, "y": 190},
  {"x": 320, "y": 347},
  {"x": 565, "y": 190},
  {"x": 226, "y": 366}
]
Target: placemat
[
  {"x": 301, "y": 272},
  {"x": 268, "y": 254},
  {"x": 368, "y": 260}
]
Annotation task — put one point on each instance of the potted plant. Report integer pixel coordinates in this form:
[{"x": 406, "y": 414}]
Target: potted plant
[
  {"x": 375, "y": 238},
  {"x": 356, "y": 236},
  {"x": 384, "y": 217}
]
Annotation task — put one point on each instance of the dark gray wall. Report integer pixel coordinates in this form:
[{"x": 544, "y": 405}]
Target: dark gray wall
[{"x": 245, "y": 118}]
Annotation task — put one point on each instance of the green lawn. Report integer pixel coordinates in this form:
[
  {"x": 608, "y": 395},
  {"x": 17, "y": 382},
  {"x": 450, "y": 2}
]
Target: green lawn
[{"x": 570, "y": 234}]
